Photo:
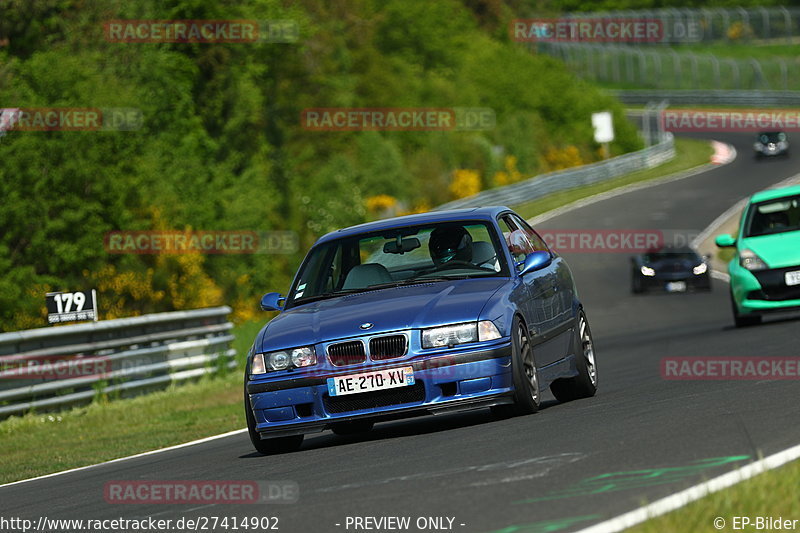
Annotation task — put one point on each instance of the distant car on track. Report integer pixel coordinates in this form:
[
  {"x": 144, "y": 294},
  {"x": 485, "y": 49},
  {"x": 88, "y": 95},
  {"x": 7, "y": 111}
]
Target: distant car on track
[
  {"x": 669, "y": 269},
  {"x": 765, "y": 271},
  {"x": 771, "y": 143},
  {"x": 422, "y": 314}
]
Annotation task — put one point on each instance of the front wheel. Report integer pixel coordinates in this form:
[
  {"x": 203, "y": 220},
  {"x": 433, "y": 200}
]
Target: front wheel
[
  {"x": 584, "y": 384},
  {"x": 741, "y": 320},
  {"x": 527, "y": 394},
  {"x": 268, "y": 446}
]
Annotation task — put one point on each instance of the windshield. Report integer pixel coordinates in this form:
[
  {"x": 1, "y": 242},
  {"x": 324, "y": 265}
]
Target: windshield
[
  {"x": 654, "y": 257},
  {"x": 773, "y": 216},
  {"x": 416, "y": 254},
  {"x": 772, "y": 137}
]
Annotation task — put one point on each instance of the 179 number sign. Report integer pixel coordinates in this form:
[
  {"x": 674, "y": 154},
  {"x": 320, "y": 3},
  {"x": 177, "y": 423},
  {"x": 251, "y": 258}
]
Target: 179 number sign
[{"x": 71, "y": 306}]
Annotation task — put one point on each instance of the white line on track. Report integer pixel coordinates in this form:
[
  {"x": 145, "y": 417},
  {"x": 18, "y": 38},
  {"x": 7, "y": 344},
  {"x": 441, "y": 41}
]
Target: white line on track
[
  {"x": 684, "y": 497},
  {"x": 119, "y": 460}
]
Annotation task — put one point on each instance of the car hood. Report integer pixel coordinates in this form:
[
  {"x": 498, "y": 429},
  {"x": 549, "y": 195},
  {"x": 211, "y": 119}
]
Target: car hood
[
  {"x": 396, "y": 308},
  {"x": 670, "y": 265},
  {"x": 778, "y": 251}
]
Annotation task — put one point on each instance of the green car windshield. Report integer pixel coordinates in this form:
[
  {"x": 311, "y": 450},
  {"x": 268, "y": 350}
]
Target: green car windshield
[
  {"x": 400, "y": 256},
  {"x": 773, "y": 216}
]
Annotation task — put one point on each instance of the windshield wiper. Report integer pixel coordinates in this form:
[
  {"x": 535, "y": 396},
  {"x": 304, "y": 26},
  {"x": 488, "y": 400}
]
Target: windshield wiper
[{"x": 326, "y": 295}]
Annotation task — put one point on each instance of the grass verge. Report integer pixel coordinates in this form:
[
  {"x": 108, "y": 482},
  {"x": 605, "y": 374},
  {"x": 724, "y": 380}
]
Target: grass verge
[
  {"x": 41, "y": 443},
  {"x": 689, "y": 153},
  {"x": 36, "y": 444},
  {"x": 771, "y": 494}
]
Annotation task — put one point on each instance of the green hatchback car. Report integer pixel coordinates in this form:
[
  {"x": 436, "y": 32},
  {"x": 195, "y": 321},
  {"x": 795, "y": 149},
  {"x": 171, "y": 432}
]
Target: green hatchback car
[{"x": 765, "y": 272}]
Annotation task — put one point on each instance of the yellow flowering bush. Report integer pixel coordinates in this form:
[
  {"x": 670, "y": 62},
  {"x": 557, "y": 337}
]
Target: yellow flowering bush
[{"x": 464, "y": 183}]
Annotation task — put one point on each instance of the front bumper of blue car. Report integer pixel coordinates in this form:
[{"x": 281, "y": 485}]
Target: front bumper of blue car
[{"x": 446, "y": 382}]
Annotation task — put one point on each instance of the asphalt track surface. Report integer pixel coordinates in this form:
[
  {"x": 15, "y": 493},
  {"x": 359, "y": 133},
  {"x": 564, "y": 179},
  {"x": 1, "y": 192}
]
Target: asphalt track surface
[{"x": 570, "y": 465}]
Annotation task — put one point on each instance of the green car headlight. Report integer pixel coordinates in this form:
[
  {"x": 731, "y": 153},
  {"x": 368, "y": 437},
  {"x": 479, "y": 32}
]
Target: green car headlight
[{"x": 749, "y": 260}]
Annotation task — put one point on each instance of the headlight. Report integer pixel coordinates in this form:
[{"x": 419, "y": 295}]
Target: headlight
[
  {"x": 647, "y": 271},
  {"x": 749, "y": 260},
  {"x": 283, "y": 360},
  {"x": 783, "y": 145},
  {"x": 485, "y": 330},
  {"x": 304, "y": 357},
  {"x": 450, "y": 335},
  {"x": 700, "y": 269}
]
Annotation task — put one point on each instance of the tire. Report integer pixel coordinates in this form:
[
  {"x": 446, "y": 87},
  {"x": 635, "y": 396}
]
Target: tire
[
  {"x": 584, "y": 385},
  {"x": 742, "y": 321},
  {"x": 352, "y": 427},
  {"x": 637, "y": 286},
  {"x": 527, "y": 393},
  {"x": 268, "y": 446}
]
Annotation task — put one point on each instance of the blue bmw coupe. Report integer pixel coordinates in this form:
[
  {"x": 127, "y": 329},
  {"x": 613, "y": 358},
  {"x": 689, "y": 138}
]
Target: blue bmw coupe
[{"x": 421, "y": 314}]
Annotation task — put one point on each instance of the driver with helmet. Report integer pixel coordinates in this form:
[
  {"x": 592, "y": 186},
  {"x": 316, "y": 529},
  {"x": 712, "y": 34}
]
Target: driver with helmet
[{"x": 450, "y": 243}]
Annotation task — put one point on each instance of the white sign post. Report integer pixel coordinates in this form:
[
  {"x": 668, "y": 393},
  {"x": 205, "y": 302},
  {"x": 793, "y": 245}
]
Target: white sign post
[{"x": 603, "y": 125}]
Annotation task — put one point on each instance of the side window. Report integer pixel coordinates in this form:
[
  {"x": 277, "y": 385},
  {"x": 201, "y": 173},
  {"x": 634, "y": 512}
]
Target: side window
[
  {"x": 537, "y": 242},
  {"x": 516, "y": 238}
]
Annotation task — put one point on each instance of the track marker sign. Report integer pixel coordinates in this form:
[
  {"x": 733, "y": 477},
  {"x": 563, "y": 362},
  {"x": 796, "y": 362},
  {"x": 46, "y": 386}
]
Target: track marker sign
[
  {"x": 71, "y": 306},
  {"x": 603, "y": 125}
]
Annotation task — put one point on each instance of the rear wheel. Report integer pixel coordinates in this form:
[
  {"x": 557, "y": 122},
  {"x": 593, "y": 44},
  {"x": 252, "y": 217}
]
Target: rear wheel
[
  {"x": 584, "y": 384},
  {"x": 352, "y": 427},
  {"x": 268, "y": 446},
  {"x": 743, "y": 320},
  {"x": 527, "y": 394}
]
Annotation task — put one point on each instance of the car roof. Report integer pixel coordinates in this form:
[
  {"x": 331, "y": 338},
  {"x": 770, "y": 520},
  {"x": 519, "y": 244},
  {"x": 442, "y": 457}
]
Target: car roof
[
  {"x": 772, "y": 194},
  {"x": 451, "y": 215}
]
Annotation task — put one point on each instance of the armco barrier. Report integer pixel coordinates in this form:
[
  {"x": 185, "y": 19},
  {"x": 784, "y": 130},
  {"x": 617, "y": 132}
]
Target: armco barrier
[
  {"x": 60, "y": 366},
  {"x": 544, "y": 184},
  {"x": 712, "y": 98}
]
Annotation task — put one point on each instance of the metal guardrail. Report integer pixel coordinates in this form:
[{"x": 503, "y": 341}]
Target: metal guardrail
[
  {"x": 544, "y": 184},
  {"x": 54, "y": 367},
  {"x": 673, "y": 69},
  {"x": 715, "y": 98},
  {"x": 779, "y": 24}
]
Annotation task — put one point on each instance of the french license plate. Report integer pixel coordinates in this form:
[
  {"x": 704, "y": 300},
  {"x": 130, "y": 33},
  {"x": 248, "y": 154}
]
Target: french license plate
[
  {"x": 676, "y": 286},
  {"x": 792, "y": 278},
  {"x": 371, "y": 381}
]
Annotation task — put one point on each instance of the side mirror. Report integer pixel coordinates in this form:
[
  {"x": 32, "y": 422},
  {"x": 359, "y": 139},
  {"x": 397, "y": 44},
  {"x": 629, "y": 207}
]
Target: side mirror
[
  {"x": 272, "y": 301},
  {"x": 535, "y": 261},
  {"x": 725, "y": 241}
]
